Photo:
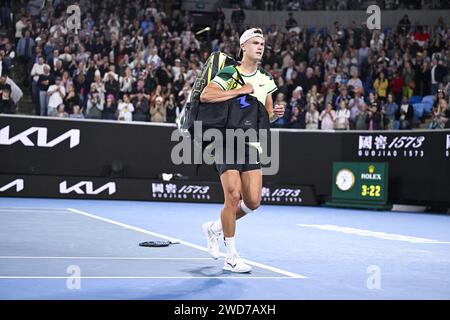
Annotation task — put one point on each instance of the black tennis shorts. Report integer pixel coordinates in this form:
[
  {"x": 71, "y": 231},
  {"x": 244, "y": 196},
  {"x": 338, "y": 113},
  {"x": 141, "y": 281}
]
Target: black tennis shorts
[{"x": 250, "y": 160}]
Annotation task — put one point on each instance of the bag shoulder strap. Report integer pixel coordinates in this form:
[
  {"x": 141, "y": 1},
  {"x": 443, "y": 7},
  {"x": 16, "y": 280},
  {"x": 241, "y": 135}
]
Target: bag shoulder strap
[{"x": 239, "y": 80}]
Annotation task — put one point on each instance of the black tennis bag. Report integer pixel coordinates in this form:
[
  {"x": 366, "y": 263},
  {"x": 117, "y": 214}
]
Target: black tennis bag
[{"x": 243, "y": 112}]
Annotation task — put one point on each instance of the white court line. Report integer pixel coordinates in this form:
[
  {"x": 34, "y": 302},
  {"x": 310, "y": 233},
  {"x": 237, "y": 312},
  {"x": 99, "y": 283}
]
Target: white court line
[
  {"x": 140, "y": 277},
  {"x": 192, "y": 245},
  {"x": 31, "y": 209},
  {"x": 369, "y": 233},
  {"x": 100, "y": 258}
]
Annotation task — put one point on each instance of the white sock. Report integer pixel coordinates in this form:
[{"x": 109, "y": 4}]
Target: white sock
[
  {"x": 230, "y": 244},
  {"x": 216, "y": 227}
]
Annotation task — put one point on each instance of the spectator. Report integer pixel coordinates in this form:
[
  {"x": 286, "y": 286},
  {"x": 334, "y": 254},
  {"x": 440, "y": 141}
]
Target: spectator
[
  {"x": 56, "y": 94},
  {"x": 362, "y": 118},
  {"x": 312, "y": 117},
  {"x": 372, "y": 99},
  {"x": 297, "y": 100},
  {"x": 60, "y": 112},
  {"x": 375, "y": 117},
  {"x": 167, "y": 91},
  {"x": 343, "y": 96},
  {"x": 126, "y": 82},
  {"x": 424, "y": 82},
  {"x": 405, "y": 114},
  {"x": 381, "y": 86},
  {"x": 363, "y": 54},
  {"x": 71, "y": 99},
  {"x": 297, "y": 118},
  {"x": 438, "y": 72},
  {"x": 141, "y": 107},
  {"x": 66, "y": 80},
  {"x": 25, "y": 48},
  {"x": 192, "y": 74},
  {"x": 44, "y": 82},
  {"x": 158, "y": 111},
  {"x": 390, "y": 111},
  {"x": 330, "y": 96},
  {"x": 397, "y": 87},
  {"x": 111, "y": 84},
  {"x": 125, "y": 109},
  {"x": 440, "y": 115},
  {"x": 157, "y": 93},
  {"x": 98, "y": 86},
  {"x": 420, "y": 36},
  {"x": 7, "y": 105},
  {"x": 110, "y": 109},
  {"x": 440, "y": 95},
  {"x": 404, "y": 25},
  {"x": 66, "y": 57},
  {"x": 21, "y": 24},
  {"x": 38, "y": 70},
  {"x": 354, "y": 83},
  {"x": 328, "y": 117},
  {"x": 76, "y": 113},
  {"x": 171, "y": 108},
  {"x": 408, "y": 80},
  {"x": 315, "y": 97},
  {"x": 290, "y": 22},
  {"x": 81, "y": 88},
  {"x": 343, "y": 117},
  {"x": 154, "y": 58},
  {"x": 4, "y": 83},
  {"x": 283, "y": 87},
  {"x": 58, "y": 30},
  {"x": 176, "y": 69},
  {"x": 51, "y": 61},
  {"x": 94, "y": 106},
  {"x": 289, "y": 70},
  {"x": 354, "y": 104},
  {"x": 58, "y": 69}
]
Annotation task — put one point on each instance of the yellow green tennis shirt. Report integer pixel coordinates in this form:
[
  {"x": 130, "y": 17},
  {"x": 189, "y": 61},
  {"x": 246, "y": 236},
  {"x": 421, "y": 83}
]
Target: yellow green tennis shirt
[{"x": 261, "y": 80}]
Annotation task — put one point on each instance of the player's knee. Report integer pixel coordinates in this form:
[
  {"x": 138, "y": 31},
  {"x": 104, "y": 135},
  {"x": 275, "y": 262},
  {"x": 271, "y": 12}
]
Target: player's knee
[{"x": 233, "y": 198}]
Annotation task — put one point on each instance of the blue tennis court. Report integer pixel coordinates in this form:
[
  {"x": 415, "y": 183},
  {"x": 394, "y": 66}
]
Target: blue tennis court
[{"x": 88, "y": 249}]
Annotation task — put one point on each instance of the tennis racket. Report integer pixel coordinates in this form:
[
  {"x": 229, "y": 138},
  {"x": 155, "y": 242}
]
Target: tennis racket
[{"x": 159, "y": 243}]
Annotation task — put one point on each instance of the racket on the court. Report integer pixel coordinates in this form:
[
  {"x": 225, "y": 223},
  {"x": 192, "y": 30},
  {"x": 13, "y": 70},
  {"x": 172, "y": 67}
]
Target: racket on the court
[{"x": 158, "y": 243}]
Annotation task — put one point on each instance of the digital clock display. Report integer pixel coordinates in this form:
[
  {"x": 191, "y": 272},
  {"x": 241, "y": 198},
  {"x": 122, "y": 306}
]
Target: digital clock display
[
  {"x": 371, "y": 191},
  {"x": 360, "y": 183}
]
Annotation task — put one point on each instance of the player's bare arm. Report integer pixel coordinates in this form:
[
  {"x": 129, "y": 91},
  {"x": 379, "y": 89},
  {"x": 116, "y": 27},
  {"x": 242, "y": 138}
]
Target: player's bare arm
[{"x": 213, "y": 93}]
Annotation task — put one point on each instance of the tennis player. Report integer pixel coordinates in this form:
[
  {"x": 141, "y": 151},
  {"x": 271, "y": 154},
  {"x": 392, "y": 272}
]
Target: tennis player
[{"x": 241, "y": 183}]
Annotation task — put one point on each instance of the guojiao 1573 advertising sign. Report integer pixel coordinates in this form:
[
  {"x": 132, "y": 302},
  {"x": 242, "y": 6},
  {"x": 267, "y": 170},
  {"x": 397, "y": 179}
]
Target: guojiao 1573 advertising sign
[{"x": 391, "y": 146}]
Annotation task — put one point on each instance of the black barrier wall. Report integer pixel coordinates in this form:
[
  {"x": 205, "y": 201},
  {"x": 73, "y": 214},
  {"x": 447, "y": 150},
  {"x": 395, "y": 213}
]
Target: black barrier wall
[
  {"x": 419, "y": 161},
  {"x": 141, "y": 189}
]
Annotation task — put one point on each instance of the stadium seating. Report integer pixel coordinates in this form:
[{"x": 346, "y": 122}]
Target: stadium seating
[
  {"x": 415, "y": 99},
  {"x": 419, "y": 109},
  {"x": 428, "y": 101}
]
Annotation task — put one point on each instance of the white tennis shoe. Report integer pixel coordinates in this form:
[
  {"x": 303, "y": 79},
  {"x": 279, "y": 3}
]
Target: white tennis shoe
[
  {"x": 236, "y": 264},
  {"x": 212, "y": 240}
]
